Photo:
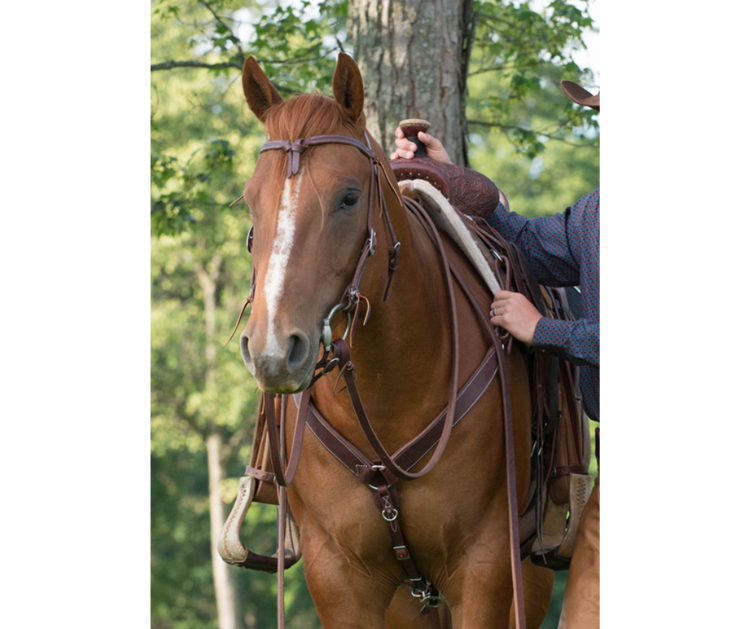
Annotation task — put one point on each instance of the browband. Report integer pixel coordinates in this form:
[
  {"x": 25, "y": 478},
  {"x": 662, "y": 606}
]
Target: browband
[{"x": 293, "y": 148}]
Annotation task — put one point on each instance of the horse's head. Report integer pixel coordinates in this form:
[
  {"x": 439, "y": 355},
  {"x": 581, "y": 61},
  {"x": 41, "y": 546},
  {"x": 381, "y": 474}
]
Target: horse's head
[{"x": 309, "y": 207}]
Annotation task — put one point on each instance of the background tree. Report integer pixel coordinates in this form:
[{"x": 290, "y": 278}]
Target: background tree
[
  {"x": 414, "y": 59},
  {"x": 512, "y": 123}
]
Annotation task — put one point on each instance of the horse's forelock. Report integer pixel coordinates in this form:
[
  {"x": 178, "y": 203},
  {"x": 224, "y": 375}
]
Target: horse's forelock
[{"x": 306, "y": 116}]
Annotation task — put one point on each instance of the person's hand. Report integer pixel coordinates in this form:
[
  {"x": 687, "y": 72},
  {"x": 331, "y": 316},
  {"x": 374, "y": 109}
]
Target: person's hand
[
  {"x": 516, "y": 314},
  {"x": 405, "y": 149}
]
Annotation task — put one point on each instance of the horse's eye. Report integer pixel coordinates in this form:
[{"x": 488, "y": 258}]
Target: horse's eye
[{"x": 350, "y": 200}]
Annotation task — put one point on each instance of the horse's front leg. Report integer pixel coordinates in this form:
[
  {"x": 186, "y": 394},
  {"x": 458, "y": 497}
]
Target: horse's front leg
[
  {"x": 477, "y": 584},
  {"x": 537, "y": 594},
  {"x": 348, "y": 593},
  {"x": 480, "y": 597}
]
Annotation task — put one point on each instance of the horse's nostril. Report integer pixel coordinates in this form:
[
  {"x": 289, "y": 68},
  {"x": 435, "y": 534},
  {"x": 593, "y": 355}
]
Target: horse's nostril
[
  {"x": 245, "y": 351},
  {"x": 298, "y": 345}
]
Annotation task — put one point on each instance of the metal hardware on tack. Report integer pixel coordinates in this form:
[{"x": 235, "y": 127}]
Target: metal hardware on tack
[
  {"x": 326, "y": 336},
  {"x": 389, "y": 513},
  {"x": 402, "y": 553},
  {"x": 428, "y": 596}
]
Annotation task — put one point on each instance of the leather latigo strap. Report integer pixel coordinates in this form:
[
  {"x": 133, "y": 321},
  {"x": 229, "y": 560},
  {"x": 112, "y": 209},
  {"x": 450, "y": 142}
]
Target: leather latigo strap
[
  {"x": 260, "y": 462},
  {"x": 285, "y": 474}
]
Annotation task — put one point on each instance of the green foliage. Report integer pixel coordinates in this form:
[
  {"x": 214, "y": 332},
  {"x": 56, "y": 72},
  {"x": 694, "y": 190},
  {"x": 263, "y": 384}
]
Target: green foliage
[
  {"x": 180, "y": 187},
  {"x": 523, "y": 132},
  {"x": 519, "y": 57},
  {"x": 181, "y": 588},
  {"x": 296, "y": 45}
]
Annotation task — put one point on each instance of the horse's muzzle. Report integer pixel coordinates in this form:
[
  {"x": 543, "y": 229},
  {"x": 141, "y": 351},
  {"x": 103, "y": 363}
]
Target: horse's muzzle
[{"x": 284, "y": 366}]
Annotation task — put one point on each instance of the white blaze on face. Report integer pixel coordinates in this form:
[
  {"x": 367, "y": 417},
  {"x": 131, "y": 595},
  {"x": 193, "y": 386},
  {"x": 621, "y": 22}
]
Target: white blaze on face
[{"x": 277, "y": 263}]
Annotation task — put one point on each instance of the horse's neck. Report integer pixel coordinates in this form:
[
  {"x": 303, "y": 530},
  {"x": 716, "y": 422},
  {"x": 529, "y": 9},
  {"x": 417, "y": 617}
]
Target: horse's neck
[
  {"x": 402, "y": 355},
  {"x": 414, "y": 319}
]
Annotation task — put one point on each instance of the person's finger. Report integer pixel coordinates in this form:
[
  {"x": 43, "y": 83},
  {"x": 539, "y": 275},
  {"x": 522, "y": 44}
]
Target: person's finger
[
  {"x": 503, "y": 294},
  {"x": 428, "y": 140}
]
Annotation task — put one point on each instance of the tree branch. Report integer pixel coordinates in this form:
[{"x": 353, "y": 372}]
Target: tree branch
[
  {"x": 510, "y": 127},
  {"x": 189, "y": 420},
  {"x": 504, "y": 67},
  {"x": 168, "y": 65},
  {"x": 237, "y": 42}
]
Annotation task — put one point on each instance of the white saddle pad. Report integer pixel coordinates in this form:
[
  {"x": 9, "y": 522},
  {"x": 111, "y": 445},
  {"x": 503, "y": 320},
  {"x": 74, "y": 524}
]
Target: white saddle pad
[{"x": 448, "y": 219}]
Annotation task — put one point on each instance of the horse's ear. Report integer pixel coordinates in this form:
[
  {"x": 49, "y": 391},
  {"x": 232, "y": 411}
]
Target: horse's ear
[
  {"x": 259, "y": 93},
  {"x": 348, "y": 88}
]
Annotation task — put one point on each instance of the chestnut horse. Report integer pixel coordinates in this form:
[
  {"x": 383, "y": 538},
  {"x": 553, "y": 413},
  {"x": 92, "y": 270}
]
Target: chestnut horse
[{"x": 311, "y": 215}]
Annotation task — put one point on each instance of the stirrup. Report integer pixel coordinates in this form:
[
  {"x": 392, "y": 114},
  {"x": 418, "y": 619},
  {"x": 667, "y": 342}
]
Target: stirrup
[
  {"x": 554, "y": 547},
  {"x": 234, "y": 552}
]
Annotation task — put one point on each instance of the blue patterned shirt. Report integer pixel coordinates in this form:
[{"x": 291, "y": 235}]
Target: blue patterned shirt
[{"x": 563, "y": 250}]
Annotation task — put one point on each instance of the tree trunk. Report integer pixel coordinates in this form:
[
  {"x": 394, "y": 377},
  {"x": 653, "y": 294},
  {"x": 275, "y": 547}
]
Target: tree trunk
[
  {"x": 227, "y": 601},
  {"x": 414, "y": 58}
]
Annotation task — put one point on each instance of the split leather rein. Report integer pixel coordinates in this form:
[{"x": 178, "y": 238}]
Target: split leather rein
[{"x": 382, "y": 475}]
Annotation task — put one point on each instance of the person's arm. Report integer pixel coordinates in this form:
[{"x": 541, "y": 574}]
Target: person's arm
[
  {"x": 562, "y": 250},
  {"x": 575, "y": 340},
  {"x": 544, "y": 243}
]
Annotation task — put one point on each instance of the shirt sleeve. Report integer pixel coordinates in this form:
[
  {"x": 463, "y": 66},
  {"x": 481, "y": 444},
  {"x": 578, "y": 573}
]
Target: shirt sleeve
[
  {"x": 562, "y": 250},
  {"x": 576, "y": 340},
  {"x": 545, "y": 240}
]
